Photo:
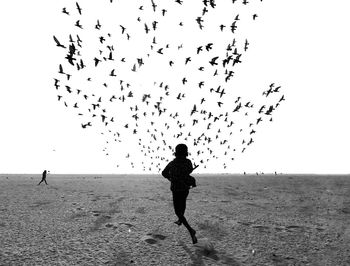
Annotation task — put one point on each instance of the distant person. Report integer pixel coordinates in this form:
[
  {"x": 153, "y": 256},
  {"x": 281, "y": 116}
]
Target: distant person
[
  {"x": 43, "y": 178},
  {"x": 178, "y": 173}
]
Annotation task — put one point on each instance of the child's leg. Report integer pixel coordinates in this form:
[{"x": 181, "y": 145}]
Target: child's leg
[
  {"x": 182, "y": 207},
  {"x": 183, "y": 203},
  {"x": 179, "y": 200},
  {"x": 180, "y": 203},
  {"x": 177, "y": 204}
]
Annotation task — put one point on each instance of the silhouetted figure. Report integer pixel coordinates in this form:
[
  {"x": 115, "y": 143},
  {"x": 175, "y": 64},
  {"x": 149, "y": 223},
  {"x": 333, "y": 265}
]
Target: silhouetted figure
[
  {"x": 178, "y": 173},
  {"x": 43, "y": 178}
]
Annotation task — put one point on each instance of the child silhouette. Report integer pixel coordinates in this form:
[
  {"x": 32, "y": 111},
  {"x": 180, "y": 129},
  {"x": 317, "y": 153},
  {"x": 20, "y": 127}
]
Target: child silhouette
[
  {"x": 43, "y": 178},
  {"x": 178, "y": 173}
]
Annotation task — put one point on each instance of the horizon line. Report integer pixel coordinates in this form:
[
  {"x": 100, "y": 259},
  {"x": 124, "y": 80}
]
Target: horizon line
[{"x": 209, "y": 173}]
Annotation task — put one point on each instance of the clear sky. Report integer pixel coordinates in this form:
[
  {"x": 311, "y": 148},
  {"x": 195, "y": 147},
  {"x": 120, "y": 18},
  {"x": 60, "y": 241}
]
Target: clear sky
[{"x": 301, "y": 46}]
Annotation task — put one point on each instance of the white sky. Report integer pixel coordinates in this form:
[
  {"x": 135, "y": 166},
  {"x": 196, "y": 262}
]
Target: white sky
[{"x": 300, "y": 45}]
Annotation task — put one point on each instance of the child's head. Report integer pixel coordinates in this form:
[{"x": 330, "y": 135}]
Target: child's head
[{"x": 181, "y": 150}]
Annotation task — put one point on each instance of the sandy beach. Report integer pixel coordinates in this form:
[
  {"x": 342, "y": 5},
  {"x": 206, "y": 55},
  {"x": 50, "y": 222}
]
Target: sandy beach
[{"x": 128, "y": 220}]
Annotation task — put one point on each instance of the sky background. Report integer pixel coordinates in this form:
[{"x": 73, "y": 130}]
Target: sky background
[{"x": 300, "y": 45}]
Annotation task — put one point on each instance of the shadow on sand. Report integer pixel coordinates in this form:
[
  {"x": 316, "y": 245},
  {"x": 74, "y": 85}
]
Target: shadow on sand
[{"x": 200, "y": 253}]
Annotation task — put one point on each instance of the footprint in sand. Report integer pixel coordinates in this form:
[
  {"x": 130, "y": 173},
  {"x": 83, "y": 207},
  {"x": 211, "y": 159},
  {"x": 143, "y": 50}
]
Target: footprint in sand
[
  {"x": 77, "y": 215},
  {"x": 346, "y": 210},
  {"x": 245, "y": 223},
  {"x": 279, "y": 228},
  {"x": 157, "y": 236},
  {"x": 102, "y": 220},
  {"x": 96, "y": 213},
  {"x": 261, "y": 228},
  {"x": 127, "y": 224},
  {"x": 111, "y": 225},
  {"x": 295, "y": 228},
  {"x": 38, "y": 204},
  {"x": 281, "y": 260},
  {"x": 320, "y": 229},
  {"x": 115, "y": 225},
  {"x": 151, "y": 238}
]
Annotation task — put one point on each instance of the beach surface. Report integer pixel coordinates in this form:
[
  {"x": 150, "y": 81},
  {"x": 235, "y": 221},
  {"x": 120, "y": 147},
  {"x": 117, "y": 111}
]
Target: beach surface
[{"x": 129, "y": 220}]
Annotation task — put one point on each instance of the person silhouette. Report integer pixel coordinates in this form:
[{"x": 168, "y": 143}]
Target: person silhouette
[
  {"x": 178, "y": 173},
  {"x": 43, "y": 178}
]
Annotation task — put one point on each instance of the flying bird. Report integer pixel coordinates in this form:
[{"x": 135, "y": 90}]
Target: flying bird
[
  {"x": 213, "y": 61},
  {"x": 77, "y": 23},
  {"x": 64, "y": 10},
  {"x": 58, "y": 43},
  {"x": 78, "y": 8}
]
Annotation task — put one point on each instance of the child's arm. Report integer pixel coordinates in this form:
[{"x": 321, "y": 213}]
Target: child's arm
[
  {"x": 193, "y": 168},
  {"x": 165, "y": 172}
]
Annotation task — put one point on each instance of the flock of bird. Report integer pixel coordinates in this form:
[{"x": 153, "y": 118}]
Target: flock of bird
[{"x": 192, "y": 103}]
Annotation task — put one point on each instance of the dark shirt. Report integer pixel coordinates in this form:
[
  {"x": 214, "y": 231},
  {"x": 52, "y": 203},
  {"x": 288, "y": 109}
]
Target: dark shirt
[{"x": 176, "y": 172}]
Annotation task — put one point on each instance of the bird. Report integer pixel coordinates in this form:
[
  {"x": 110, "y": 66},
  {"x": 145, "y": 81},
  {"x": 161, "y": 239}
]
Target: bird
[
  {"x": 154, "y": 25},
  {"x": 277, "y": 89},
  {"x": 78, "y": 8},
  {"x": 146, "y": 29},
  {"x": 58, "y": 43},
  {"x": 222, "y": 92},
  {"x": 112, "y": 74},
  {"x": 209, "y": 46},
  {"x": 233, "y": 26},
  {"x": 64, "y": 10},
  {"x": 85, "y": 125},
  {"x": 60, "y": 71},
  {"x": 246, "y": 45},
  {"x": 123, "y": 28},
  {"x": 200, "y": 21},
  {"x": 77, "y": 23},
  {"x": 154, "y": 6},
  {"x": 68, "y": 89},
  {"x": 213, "y": 61},
  {"x": 98, "y": 25},
  {"x": 56, "y": 83},
  {"x": 96, "y": 61}
]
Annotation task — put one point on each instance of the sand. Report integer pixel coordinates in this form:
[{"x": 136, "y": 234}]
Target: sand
[{"x": 128, "y": 220}]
